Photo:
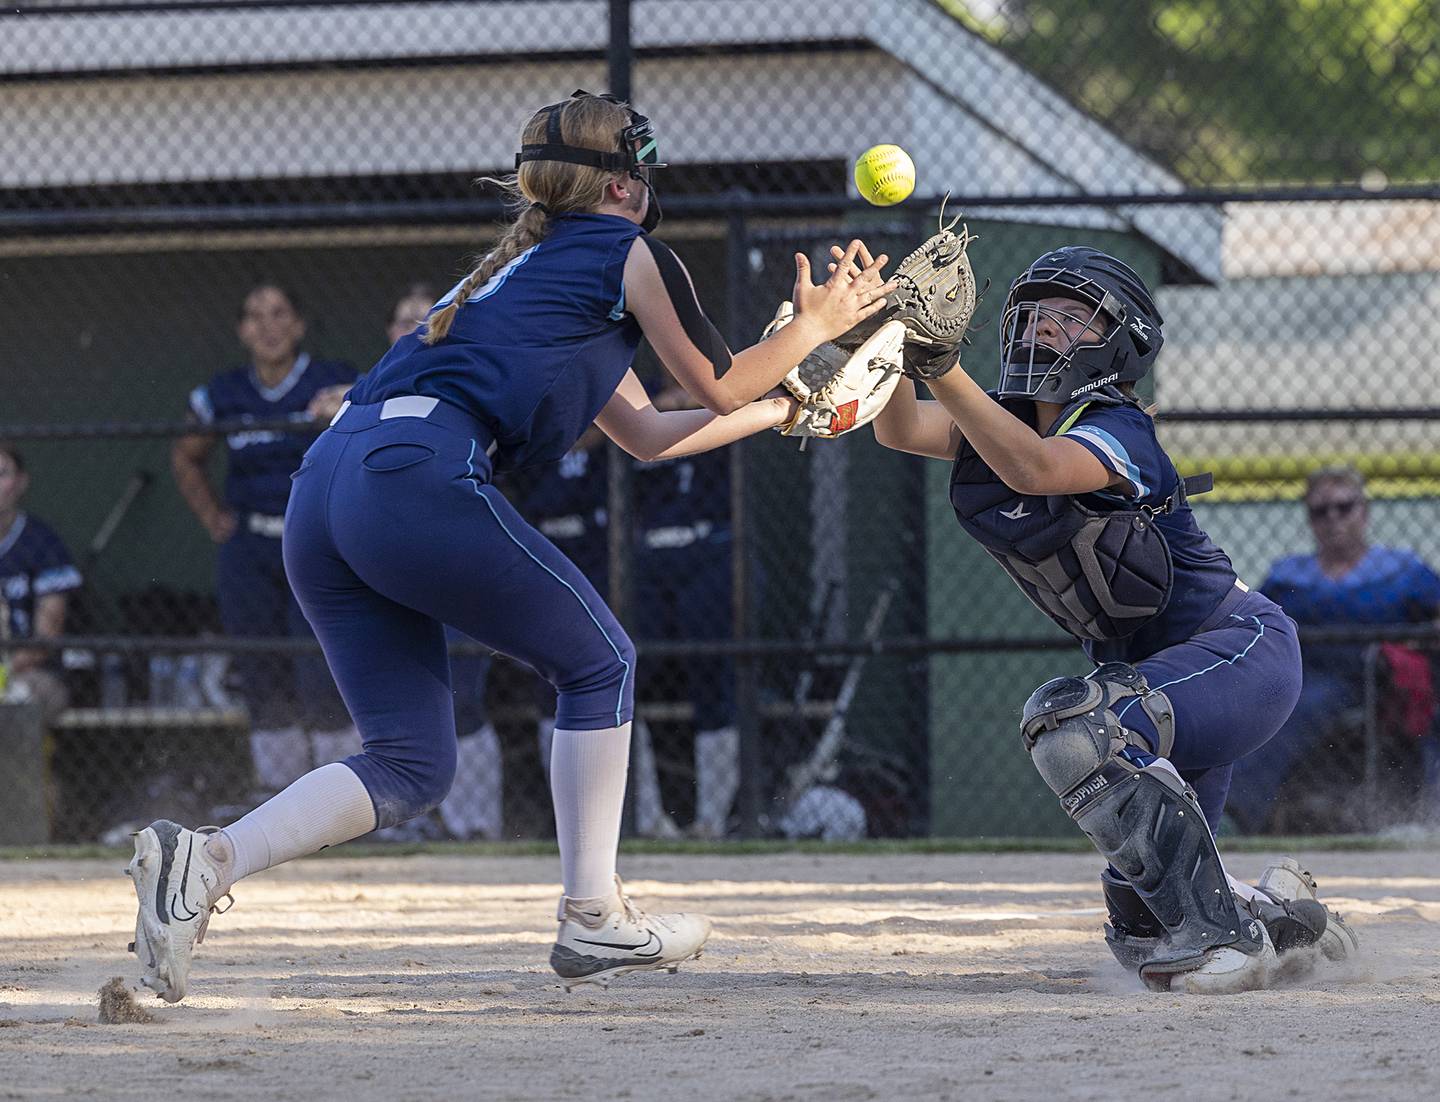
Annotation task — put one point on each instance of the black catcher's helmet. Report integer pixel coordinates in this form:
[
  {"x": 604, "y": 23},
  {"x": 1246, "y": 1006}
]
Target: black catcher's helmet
[{"x": 1116, "y": 303}]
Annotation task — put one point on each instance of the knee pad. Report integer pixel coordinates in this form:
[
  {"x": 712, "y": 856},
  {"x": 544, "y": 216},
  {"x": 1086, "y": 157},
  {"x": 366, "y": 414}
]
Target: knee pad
[{"x": 1080, "y": 728}]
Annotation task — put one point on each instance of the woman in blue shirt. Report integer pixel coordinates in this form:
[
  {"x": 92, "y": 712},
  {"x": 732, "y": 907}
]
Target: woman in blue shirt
[
  {"x": 1058, "y": 474},
  {"x": 1347, "y": 581},
  {"x": 395, "y": 530}
]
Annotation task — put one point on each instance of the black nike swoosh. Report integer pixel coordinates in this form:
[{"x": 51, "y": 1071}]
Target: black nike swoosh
[
  {"x": 643, "y": 949},
  {"x": 184, "y": 881}
]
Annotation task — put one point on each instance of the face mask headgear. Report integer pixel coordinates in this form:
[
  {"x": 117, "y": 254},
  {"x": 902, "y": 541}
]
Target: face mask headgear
[{"x": 636, "y": 152}]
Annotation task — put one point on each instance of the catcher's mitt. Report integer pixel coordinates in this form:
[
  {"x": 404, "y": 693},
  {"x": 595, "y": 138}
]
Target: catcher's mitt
[
  {"x": 840, "y": 389},
  {"x": 936, "y": 300}
]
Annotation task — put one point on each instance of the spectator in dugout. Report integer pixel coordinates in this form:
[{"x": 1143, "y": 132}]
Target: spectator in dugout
[
  {"x": 297, "y": 719},
  {"x": 1347, "y": 580},
  {"x": 37, "y": 575}
]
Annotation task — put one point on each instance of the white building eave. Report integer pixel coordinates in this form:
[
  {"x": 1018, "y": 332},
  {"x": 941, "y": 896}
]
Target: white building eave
[{"x": 246, "y": 94}]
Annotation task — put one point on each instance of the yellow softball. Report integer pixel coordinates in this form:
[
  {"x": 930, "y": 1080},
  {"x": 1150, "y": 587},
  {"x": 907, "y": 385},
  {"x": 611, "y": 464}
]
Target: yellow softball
[{"x": 884, "y": 175}]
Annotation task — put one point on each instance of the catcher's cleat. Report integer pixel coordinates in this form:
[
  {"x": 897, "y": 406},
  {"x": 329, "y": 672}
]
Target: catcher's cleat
[
  {"x": 177, "y": 886},
  {"x": 1286, "y": 882},
  {"x": 602, "y": 938},
  {"x": 1231, "y": 968}
]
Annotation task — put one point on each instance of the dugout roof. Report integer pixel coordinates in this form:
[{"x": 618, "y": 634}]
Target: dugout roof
[{"x": 436, "y": 87}]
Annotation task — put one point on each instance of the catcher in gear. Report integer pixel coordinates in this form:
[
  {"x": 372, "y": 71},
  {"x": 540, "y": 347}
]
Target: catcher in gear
[
  {"x": 845, "y": 383},
  {"x": 1058, "y": 474}
]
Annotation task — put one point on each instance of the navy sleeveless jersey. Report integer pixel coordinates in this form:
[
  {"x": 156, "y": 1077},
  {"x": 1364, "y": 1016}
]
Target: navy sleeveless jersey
[
  {"x": 262, "y": 460},
  {"x": 536, "y": 352},
  {"x": 1123, "y": 438},
  {"x": 33, "y": 564}
]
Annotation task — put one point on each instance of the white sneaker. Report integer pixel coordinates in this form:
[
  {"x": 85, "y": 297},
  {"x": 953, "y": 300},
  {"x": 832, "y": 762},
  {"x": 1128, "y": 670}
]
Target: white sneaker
[
  {"x": 1286, "y": 879},
  {"x": 602, "y": 938},
  {"x": 1229, "y": 970},
  {"x": 178, "y": 887}
]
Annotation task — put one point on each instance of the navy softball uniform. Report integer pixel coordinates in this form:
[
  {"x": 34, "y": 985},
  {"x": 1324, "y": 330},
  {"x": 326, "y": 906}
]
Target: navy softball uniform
[
  {"x": 394, "y": 529},
  {"x": 1228, "y": 658},
  {"x": 250, "y": 585},
  {"x": 34, "y": 563}
]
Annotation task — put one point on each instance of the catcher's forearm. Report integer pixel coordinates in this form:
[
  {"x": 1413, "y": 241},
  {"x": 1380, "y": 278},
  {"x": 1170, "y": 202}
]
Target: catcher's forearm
[
  {"x": 1011, "y": 448},
  {"x": 920, "y": 428},
  {"x": 669, "y": 434}
]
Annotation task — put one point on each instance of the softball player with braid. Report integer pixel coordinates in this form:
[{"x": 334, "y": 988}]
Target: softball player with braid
[
  {"x": 394, "y": 530},
  {"x": 1059, "y": 476}
]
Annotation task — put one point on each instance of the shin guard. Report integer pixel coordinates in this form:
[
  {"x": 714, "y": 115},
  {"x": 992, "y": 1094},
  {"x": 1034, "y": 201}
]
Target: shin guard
[{"x": 1142, "y": 818}]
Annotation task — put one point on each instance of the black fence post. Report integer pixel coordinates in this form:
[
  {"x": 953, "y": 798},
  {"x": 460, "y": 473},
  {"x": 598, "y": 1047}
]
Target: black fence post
[
  {"x": 620, "y": 55},
  {"x": 747, "y": 674}
]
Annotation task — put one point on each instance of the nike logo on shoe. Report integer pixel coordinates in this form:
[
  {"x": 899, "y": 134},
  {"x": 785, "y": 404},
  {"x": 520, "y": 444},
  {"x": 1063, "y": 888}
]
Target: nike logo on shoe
[
  {"x": 1015, "y": 513},
  {"x": 179, "y": 897},
  {"x": 643, "y": 949}
]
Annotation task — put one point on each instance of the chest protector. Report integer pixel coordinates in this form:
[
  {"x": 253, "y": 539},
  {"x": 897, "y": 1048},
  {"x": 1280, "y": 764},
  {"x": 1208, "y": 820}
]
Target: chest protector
[{"x": 1100, "y": 574}]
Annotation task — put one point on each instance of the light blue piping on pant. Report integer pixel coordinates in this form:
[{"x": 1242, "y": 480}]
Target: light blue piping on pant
[
  {"x": 470, "y": 469},
  {"x": 1216, "y": 665}
]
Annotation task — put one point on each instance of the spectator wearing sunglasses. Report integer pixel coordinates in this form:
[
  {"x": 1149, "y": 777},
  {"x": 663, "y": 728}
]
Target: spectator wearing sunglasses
[{"x": 1347, "y": 580}]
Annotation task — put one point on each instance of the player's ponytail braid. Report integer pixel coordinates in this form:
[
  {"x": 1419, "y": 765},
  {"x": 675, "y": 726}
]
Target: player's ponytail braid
[{"x": 543, "y": 190}]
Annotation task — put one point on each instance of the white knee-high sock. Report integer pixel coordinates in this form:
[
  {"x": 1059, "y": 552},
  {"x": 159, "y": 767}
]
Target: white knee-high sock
[
  {"x": 325, "y": 807},
  {"x": 587, "y": 782}
]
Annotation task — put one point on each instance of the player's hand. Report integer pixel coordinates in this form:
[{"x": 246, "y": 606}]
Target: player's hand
[
  {"x": 854, "y": 264},
  {"x": 852, "y": 293},
  {"x": 221, "y": 525}
]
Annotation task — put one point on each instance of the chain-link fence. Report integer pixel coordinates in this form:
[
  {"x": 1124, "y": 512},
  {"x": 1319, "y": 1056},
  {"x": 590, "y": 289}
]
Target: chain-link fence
[{"x": 213, "y": 214}]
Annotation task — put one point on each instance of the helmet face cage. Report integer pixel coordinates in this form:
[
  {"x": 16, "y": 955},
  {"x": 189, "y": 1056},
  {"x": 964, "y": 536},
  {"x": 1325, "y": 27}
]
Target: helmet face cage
[
  {"x": 1027, "y": 362},
  {"x": 1110, "y": 300}
]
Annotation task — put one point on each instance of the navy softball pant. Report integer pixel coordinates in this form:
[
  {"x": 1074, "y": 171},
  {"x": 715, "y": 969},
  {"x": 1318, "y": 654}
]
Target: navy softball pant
[
  {"x": 1231, "y": 687},
  {"x": 392, "y": 532}
]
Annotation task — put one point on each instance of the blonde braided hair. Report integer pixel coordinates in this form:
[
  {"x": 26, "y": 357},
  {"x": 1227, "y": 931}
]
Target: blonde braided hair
[{"x": 543, "y": 189}]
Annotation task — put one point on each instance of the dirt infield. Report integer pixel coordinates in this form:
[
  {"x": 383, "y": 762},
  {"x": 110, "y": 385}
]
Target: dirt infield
[{"x": 834, "y": 977}]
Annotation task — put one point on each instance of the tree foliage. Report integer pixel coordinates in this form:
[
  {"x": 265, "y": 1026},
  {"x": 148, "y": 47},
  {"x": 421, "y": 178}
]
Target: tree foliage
[{"x": 1243, "y": 91}]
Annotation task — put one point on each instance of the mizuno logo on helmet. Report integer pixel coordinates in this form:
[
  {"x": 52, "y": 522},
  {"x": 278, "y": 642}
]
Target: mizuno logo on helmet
[
  {"x": 1095, "y": 385},
  {"x": 1140, "y": 327}
]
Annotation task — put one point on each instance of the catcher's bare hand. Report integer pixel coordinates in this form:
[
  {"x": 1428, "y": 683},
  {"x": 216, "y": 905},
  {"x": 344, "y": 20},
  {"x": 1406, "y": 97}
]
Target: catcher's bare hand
[{"x": 844, "y": 300}]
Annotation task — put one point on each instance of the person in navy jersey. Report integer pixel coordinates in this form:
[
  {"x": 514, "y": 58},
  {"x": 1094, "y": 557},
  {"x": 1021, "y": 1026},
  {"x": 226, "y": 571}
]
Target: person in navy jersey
[
  {"x": 296, "y": 716},
  {"x": 394, "y": 530},
  {"x": 682, "y": 542},
  {"x": 1347, "y": 581},
  {"x": 1059, "y": 475},
  {"x": 37, "y": 575}
]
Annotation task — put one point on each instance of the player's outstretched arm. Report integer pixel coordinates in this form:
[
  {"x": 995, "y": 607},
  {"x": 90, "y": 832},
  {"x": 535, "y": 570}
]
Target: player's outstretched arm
[
  {"x": 648, "y": 434},
  {"x": 920, "y": 428},
  {"x": 1025, "y": 461},
  {"x": 660, "y": 295}
]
